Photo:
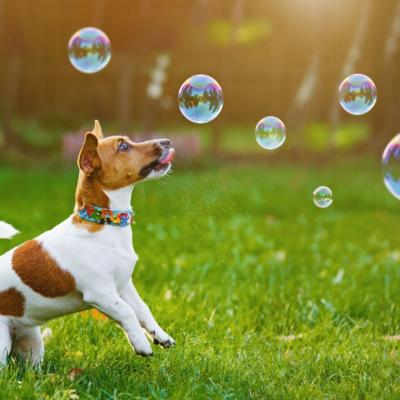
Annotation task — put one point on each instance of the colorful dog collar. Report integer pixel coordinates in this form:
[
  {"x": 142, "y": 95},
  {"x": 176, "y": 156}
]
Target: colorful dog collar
[{"x": 104, "y": 216}]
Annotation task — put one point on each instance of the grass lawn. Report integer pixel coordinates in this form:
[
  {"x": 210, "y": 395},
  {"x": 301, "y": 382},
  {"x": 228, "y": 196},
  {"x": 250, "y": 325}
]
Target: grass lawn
[{"x": 266, "y": 295}]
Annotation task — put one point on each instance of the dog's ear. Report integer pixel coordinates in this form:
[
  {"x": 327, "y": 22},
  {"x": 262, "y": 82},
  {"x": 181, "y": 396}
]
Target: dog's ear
[
  {"x": 89, "y": 160},
  {"x": 97, "y": 131}
]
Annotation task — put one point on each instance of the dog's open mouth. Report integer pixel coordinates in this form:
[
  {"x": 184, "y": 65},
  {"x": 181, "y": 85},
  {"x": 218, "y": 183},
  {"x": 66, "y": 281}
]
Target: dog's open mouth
[
  {"x": 167, "y": 157},
  {"x": 162, "y": 164}
]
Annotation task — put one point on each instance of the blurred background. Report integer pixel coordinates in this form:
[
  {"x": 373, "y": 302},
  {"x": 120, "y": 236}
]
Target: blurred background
[
  {"x": 284, "y": 58},
  {"x": 267, "y": 295}
]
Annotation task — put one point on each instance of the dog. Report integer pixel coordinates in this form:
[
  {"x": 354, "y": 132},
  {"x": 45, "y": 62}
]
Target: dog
[{"x": 87, "y": 260}]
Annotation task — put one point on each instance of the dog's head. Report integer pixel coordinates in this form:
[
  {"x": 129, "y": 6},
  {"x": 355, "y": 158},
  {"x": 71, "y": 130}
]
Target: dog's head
[{"x": 117, "y": 161}]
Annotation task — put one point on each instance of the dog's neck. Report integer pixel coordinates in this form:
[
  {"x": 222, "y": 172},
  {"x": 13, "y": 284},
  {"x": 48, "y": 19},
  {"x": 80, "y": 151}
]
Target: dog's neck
[
  {"x": 89, "y": 192},
  {"x": 120, "y": 199}
]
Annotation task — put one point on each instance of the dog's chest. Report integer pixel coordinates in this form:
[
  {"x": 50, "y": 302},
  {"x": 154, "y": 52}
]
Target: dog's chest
[
  {"x": 112, "y": 260},
  {"x": 120, "y": 262},
  {"x": 106, "y": 257}
]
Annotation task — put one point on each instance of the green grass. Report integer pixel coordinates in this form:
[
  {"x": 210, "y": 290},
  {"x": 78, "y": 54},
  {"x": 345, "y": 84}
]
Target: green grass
[{"x": 231, "y": 260}]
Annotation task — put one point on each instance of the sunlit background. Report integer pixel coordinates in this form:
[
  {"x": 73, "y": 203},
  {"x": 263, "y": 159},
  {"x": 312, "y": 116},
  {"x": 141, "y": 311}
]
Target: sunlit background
[
  {"x": 276, "y": 271},
  {"x": 284, "y": 58}
]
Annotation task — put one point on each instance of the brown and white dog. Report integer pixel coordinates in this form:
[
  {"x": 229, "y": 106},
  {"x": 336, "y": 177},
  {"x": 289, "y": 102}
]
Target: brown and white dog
[{"x": 81, "y": 264}]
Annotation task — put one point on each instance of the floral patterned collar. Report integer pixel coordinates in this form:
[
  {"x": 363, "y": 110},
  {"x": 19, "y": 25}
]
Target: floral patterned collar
[{"x": 104, "y": 216}]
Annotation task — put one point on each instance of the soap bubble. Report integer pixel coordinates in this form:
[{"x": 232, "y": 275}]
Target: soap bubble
[
  {"x": 89, "y": 50},
  {"x": 200, "y": 99},
  {"x": 391, "y": 166},
  {"x": 270, "y": 133},
  {"x": 322, "y": 197},
  {"x": 357, "y": 94}
]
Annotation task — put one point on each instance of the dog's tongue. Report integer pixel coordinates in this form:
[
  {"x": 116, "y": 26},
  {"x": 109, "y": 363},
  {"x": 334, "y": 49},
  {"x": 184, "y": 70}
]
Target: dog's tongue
[{"x": 168, "y": 157}]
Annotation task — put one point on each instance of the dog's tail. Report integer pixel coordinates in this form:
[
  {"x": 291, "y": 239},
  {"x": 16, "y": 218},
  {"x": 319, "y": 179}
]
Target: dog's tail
[{"x": 7, "y": 231}]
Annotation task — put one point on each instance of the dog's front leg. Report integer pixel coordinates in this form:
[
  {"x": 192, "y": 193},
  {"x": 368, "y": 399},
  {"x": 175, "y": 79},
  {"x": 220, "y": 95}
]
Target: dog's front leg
[
  {"x": 145, "y": 317},
  {"x": 5, "y": 343},
  {"x": 117, "y": 309}
]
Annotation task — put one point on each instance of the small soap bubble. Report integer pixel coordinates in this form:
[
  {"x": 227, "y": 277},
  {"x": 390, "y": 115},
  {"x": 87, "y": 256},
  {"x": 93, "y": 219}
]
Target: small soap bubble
[
  {"x": 357, "y": 94},
  {"x": 89, "y": 50},
  {"x": 270, "y": 133},
  {"x": 391, "y": 166},
  {"x": 200, "y": 99},
  {"x": 323, "y": 197}
]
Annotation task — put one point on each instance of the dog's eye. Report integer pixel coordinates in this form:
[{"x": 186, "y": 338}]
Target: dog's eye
[{"x": 123, "y": 147}]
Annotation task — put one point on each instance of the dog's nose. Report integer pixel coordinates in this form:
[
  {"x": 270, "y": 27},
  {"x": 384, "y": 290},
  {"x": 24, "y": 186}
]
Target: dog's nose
[{"x": 164, "y": 142}]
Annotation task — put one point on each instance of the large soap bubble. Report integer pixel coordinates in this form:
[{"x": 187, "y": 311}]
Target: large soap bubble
[
  {"x": 89, "y": 50},
  {"x": 200, "y": 99},
  {"x": 270, "y": 133},
  {"x": 391, "y": 166},
  {"x": 357, "y": 94}
]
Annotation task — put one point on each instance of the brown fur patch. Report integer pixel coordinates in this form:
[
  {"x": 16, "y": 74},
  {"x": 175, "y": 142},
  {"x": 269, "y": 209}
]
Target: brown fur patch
[
  {"x": 89, "y": 192},
  {"x": 112, "y": 170},
  {"x": 38, "y": 270},
  {"x": 12, "y": 303},
  {"x": 89, "y": 226},
  {"x": 122, "y": 169}
]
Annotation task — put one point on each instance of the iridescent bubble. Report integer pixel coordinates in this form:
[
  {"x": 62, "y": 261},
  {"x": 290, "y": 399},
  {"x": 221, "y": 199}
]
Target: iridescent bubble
[
  {"x": 270, "y": 133},
  {"x": 200, "y": 99},
  {"x": 357, "y": 94},
  {"x": 323, "y": 197},
  {"x": 89, "y": 50},
  {"x": 391, "y": 166}
]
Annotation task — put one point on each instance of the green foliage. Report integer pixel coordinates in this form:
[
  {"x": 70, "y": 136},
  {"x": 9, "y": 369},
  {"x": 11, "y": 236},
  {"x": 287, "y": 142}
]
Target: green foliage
[
  {"x": 351, "y": 134},
  {"x": 317, "y": 136},
  {"x": 253, "y": 31},
  {"x": 267, "y": 295},
  {"x": 34, "y": 133},
  {"x": 223, "y": 32},
  {"x": 220, "y": 32}
]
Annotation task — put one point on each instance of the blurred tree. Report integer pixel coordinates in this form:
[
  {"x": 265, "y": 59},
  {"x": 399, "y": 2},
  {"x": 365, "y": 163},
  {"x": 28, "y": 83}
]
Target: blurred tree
[
  {"x": 388, "y": 93},
  {"x": 354, "y": 54},
  {"x": 284, "y": 58},
  {"x": 15, "y": 44},
  {"x": 227, "y": 71},
  {"x": 302, "y": 107}
]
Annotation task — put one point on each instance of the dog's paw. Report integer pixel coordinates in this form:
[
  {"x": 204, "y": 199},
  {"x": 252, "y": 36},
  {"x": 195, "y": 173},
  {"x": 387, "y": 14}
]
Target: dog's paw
[
  {"x": 143, "y": 348},
  {"x": 162, "y": 338},
  {"x": 144, "y": 354}
]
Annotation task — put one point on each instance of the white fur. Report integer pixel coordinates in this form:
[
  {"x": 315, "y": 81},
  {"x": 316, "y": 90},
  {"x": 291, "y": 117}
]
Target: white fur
[
  {"x": 102, "y": 264},
  {"x": 157, "y": 174},
  {"x": 7, "y": 231}
]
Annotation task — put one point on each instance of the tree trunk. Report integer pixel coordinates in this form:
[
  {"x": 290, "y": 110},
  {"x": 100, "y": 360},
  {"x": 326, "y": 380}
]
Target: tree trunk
[
  {"x": 353, "y": 56},
  {"x": 124, "y": 91},
  {"x": 217, "y": 127},
  {"x": 391, "y": 116}
]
